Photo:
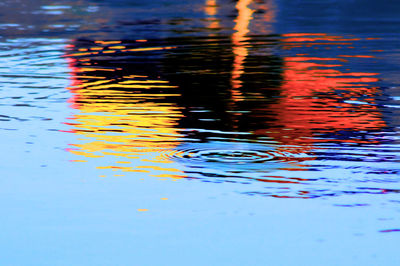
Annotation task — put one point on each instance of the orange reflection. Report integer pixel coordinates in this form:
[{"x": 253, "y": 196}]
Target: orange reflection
[
  {"x": 211, "y": 9},
  {"x": 318, "y": 99},
  {"x": 240, "y": 49}
]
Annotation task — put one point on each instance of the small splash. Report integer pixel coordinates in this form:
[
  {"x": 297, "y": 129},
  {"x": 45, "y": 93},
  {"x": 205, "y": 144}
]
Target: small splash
[
  {"x": 230, "y": 156},
  {"x": 225, "y": 152}
]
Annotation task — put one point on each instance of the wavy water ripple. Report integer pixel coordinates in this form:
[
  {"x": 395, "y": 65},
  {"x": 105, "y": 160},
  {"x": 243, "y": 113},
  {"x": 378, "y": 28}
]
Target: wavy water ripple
[
  {"x": 33, "y": 77},
  {"x": 309, "y": 113},
  {"x": 289, "y": 116},
  {"x": 245, "y": 132}
]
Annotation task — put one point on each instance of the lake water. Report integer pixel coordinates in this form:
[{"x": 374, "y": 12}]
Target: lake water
[{"x": 205, "y": 132}]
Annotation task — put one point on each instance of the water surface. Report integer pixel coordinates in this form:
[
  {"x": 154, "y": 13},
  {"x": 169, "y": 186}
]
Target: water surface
[{"x": 209, "y": 132}]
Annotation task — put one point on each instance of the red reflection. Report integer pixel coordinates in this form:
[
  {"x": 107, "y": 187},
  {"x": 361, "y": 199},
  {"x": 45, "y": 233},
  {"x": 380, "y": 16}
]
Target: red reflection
[{"x": 318, "y": 99}]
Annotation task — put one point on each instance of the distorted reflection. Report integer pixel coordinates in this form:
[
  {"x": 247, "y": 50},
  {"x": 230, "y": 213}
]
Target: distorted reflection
[
  {"x": 122, "y": 115},
  {"x": 239, "y": 39},
  {"x": 211, "y": 9},
  {"x": 227, "y": 108},
  {"x": 318, "y": 98}
]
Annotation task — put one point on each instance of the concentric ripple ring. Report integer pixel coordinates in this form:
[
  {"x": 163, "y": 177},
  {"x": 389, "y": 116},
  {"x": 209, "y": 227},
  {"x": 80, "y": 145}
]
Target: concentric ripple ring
[{"x": 223, "y": 155}]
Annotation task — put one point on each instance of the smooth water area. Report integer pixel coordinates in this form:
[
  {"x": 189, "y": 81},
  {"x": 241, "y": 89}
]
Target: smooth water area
[{"x": 210, "y": 132}]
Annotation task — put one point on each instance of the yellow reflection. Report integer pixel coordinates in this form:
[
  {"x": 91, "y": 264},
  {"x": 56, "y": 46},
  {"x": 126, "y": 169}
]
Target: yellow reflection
[
  {"x": 112, "y": 49},
  {"x": 118, "y": 118},
  {"x": 170, "y": 176},
  {"x": 108, "y": 42}
]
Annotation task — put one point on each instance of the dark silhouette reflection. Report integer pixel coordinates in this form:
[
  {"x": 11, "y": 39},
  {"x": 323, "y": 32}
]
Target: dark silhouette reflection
[
  {"x": 220, "y": 77},
  {"x": 210, "y": 97},
  {"x": 199, "y": 71}
]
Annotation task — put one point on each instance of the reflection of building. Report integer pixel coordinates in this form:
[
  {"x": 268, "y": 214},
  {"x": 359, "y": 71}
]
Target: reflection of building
[{"x": 144, "y": 98}]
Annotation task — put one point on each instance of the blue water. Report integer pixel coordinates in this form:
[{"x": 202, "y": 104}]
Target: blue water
[{"x": 199, "y": 133}]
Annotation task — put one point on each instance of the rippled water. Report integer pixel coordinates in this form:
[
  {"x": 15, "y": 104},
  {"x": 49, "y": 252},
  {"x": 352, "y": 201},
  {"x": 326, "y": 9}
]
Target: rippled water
[
  {"x": 280, "y": 111},
  {"x": 260, "y": 105}
]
